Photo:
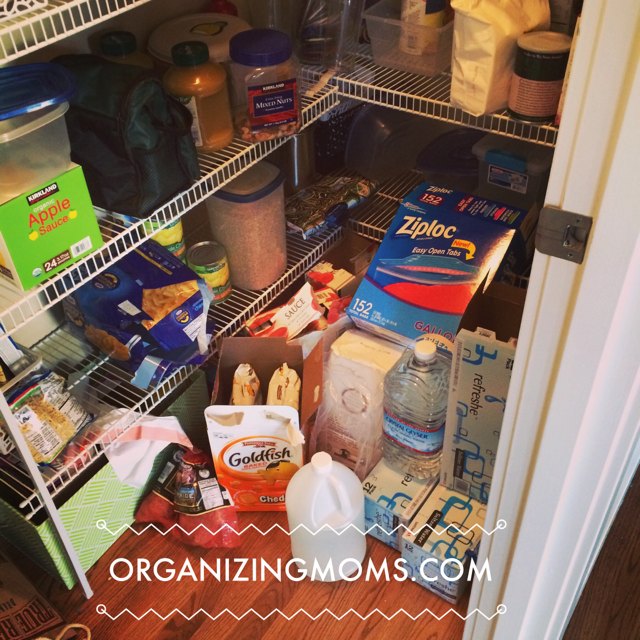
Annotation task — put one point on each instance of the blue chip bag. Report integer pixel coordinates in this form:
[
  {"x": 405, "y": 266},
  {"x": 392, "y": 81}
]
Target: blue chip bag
[{"x": 148, "y": 311}]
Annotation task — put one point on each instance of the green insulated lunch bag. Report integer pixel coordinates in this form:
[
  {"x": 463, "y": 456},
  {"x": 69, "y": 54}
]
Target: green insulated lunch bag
[{"x": 132, "y": 140}]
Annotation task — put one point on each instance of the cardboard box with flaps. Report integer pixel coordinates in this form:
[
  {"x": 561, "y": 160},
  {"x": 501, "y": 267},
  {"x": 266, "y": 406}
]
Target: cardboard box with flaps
[{"x": 256, "y": 449}]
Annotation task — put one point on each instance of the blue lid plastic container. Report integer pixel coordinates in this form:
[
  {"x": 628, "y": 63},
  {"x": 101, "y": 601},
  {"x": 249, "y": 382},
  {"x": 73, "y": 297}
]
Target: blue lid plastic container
[
  {"x": 30, "y": 87},
  {"x": 34, "y": 145}
]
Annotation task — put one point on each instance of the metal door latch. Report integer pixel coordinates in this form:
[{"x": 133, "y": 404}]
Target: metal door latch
[{"x": 563, "y": 234}]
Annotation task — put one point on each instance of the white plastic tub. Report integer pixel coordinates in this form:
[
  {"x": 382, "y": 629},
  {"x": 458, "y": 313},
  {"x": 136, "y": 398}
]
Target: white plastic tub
[{"x": 34, "y": 148}]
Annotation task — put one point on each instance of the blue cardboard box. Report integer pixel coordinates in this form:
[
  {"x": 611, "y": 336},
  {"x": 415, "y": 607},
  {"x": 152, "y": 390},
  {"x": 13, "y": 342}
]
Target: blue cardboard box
[
  {"x": 442, "y": 247},
  {"x": 391, "y": 499},
  {"x": 442, "y": 543}
]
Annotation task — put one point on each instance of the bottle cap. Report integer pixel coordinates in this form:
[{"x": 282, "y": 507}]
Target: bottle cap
[
  {"x": 425, "y": 350},
  {"x": 433, "y": 6},
  {"x": 189, "y": 54},
  {"x": 260, "y": 47},
  {"x": 322, "y": 463},
  {"x": 117, "y": 43}
]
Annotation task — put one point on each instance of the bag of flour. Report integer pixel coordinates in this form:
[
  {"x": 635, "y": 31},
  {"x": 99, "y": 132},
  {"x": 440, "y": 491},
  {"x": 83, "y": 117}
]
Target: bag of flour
[{"x": 484, "y": 47}]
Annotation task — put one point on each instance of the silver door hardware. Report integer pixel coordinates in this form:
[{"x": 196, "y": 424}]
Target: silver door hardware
[{"x": 563, "y": 234}]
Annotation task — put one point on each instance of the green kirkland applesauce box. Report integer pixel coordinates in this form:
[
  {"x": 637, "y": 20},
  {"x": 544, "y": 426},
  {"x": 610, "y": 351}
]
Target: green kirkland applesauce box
[{"x": 46, "y": 229}]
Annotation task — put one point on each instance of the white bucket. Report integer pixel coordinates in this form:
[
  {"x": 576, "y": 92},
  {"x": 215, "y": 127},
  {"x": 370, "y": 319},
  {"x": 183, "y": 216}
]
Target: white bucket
[{"x": 325, "y": 509}]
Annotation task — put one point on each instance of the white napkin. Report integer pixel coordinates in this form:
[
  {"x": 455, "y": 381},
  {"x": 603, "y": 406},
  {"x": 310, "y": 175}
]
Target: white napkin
[{"x": 132, "y": 455}]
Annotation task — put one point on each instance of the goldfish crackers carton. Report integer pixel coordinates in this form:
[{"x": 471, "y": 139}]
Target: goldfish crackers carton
[
  {"x": 47, "y": 229},
  {"x": 256, "y": 450}
]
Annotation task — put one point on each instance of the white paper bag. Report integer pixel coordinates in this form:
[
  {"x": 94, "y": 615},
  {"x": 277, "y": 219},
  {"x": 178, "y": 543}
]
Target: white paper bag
[{"x": 485, "y": 33}]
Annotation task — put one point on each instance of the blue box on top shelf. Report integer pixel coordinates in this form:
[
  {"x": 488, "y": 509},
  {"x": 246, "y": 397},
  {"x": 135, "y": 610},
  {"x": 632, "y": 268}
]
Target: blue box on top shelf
[{"x": 442, "y": 247}]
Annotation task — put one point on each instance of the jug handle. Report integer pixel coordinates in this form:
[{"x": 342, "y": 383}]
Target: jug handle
[{"x": 343, "y": 499}]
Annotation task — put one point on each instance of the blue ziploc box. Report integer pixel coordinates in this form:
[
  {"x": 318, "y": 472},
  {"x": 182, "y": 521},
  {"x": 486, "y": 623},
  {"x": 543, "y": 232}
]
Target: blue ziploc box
[
  {"x": 442, "y": 543},
  {"x": 442, "y": 247},
  {"x": 391, "y": 499}
]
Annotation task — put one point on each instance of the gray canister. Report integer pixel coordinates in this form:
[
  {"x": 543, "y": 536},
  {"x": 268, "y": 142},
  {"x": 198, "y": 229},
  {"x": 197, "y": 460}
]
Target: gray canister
[{"x": 247, "y": 218}]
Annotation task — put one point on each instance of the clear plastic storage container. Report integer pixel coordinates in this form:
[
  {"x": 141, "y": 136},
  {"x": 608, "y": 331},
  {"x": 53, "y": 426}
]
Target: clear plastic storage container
[
  {"x": 34, "y": 144},
  {"x": 512, "y": 171},
  {"x": 449, "y": 161},
  {"x": 214, "y": 29},
  {"x": 389, "y": 36},
  {"x": 247, "y": 218}
]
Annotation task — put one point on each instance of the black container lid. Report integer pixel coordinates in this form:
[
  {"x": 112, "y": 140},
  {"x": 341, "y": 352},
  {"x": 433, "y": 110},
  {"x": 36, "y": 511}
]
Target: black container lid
[
  {"x": 189, "y": 54},
  {"x": 452, "y": 153},
  {"x": 118, "y": 43}
]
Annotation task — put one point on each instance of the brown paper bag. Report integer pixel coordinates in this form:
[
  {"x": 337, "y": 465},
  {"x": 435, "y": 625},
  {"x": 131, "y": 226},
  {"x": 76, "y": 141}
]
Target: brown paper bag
[{"x": 24, "y": 613}]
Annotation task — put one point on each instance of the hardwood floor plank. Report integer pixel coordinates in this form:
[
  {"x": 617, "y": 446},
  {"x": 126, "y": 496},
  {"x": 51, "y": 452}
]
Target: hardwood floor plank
[{"x": 263, "y": 596}]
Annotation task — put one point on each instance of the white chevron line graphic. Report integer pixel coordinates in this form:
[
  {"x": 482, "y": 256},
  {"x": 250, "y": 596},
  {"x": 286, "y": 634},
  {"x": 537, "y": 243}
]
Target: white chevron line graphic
[
  {"x": 102, "y": 610},
  {"x": 102, "y": 525}
]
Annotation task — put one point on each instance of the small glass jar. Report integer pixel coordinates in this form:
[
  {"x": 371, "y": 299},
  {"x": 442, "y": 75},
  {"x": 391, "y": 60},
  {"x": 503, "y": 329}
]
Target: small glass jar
[
  {"x": 201, "y": 86},
  {"x": 265, "y": 85},
  {"x": 121, "y": 47}
]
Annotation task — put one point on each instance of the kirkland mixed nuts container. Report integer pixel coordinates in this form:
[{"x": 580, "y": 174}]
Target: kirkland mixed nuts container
[
  {"x": 247, "y": 217},
  {"x": 264, "y": 76}
]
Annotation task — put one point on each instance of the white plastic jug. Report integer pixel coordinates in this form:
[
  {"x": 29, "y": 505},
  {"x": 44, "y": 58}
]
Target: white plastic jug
[{"x": 325, "y": 492}]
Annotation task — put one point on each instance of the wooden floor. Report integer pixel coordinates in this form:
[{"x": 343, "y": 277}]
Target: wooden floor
[
  {"x": 240, "y": 597},
  {"x": 609, "y": 607}
]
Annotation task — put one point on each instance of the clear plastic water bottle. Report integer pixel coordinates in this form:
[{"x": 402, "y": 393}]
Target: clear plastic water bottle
[{"x": 415, "y": 407}]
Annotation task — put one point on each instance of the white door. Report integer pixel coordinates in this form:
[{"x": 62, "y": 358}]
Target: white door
[{"x": 571, "y": 433}]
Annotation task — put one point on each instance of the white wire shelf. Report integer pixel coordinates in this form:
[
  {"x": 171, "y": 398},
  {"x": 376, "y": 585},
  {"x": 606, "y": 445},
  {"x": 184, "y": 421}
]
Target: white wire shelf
[
  {"x": 373, "y": 218},
  {"x": 56, "y": 20},
  {"x": 430, "y": 97},
  {"x": 217, "y": 169},
  {"x": 102, "y": 385}
]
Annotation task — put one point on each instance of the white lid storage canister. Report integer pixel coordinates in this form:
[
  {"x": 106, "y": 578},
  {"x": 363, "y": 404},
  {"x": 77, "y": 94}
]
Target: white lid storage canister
[{"x": 247, "y": 218}]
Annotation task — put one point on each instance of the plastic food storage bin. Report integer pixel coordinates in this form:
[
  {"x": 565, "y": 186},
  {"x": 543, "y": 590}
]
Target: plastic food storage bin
[
  {"x": 34, "y": 145},
  {"x": 387, "y": 32},
  {"x": 449, "y": 161},
  {"x": 247, "y": 218},
  {"x": 512, "y": 171}
]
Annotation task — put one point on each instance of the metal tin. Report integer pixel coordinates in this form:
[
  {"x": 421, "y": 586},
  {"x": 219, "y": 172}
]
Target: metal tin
[
  {"x": 209, "y": 261},
  {"x": 536, "y": 85},
  {"x": 171, "y": 237}
]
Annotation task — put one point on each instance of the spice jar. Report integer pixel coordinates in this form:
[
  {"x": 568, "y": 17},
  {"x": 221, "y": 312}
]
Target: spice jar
[
  {"x": 121, "y": 47},
  {"x": 265, "y": 86},
  {"x": 201, "y": 86},
  {"x": 247, "y": 217}
]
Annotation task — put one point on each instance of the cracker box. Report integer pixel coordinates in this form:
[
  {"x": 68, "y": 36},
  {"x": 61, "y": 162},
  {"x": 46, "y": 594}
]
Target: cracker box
[
  {"x": 442, "y": 247},
  {"x": 483, "y": 356},
  {"x": 443, "y": 540},
  {"x": 44, "y": 231},
  {"x": 391, "y": 499}
]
